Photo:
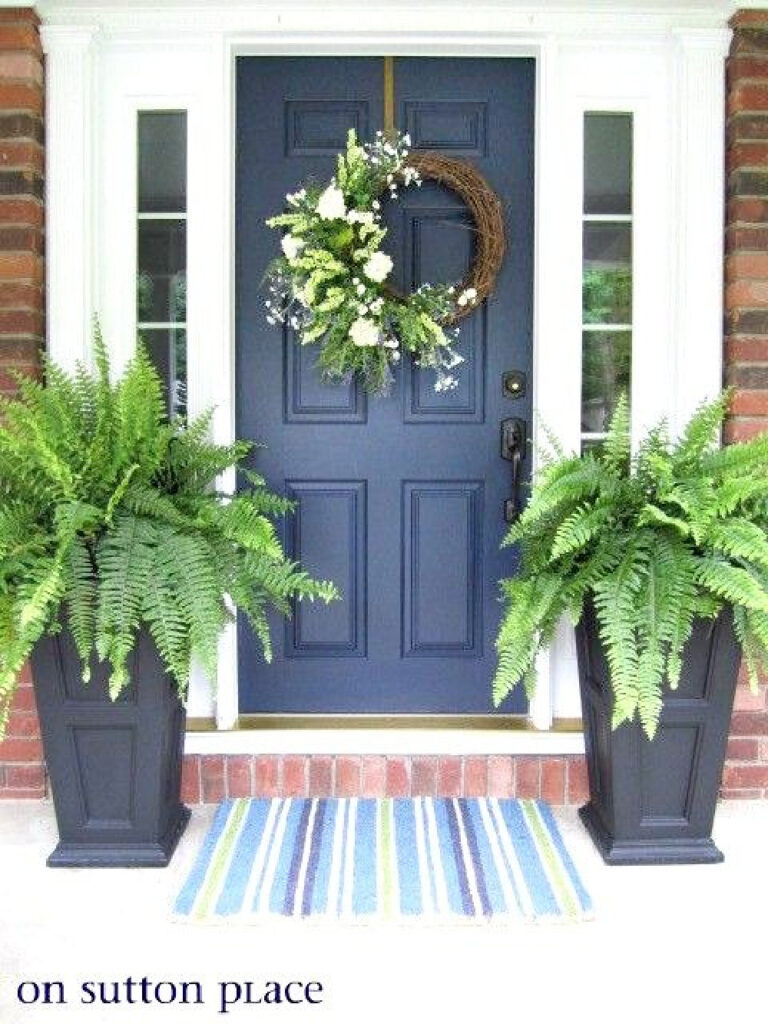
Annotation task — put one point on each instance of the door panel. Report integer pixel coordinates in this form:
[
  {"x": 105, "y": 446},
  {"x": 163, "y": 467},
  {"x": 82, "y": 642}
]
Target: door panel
[{"x": 400, "y": 498}]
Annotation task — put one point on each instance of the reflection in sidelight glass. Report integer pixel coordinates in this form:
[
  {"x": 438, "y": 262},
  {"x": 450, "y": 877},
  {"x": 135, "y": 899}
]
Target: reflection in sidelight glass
[
  {"x": 607, "y": 276},
  {"x": 162, "y": 161},
  {"x": 606, "y": 369},
  {"x": 161, "y": 285},
  {"x": 608, "y": 163}
]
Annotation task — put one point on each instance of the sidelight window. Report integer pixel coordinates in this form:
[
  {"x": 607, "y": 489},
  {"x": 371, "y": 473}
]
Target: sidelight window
[
  {"x": 606, "y": 270},
  {"x": 161, "y": 287}
]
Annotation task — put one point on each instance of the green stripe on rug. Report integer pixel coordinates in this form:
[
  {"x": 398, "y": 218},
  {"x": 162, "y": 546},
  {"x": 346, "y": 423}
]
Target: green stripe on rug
[
  {"x": 550, "y": 857},
  {"x": 221, "y": 862}
]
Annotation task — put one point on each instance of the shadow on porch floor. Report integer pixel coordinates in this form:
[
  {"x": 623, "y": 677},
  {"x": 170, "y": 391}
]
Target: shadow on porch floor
[{"x": 687, "y": 936}]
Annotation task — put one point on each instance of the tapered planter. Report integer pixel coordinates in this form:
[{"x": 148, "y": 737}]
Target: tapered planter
[
  {"x": 115, "y": 768},
  {"x": 653, "y": 802}
]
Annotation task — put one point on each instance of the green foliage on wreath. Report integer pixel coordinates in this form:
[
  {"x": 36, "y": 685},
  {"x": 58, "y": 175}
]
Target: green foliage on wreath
[
  {"x": 108, "y": 517},
  {"x": 654, "y": 539},
  {"x": 330, "y": 282}
]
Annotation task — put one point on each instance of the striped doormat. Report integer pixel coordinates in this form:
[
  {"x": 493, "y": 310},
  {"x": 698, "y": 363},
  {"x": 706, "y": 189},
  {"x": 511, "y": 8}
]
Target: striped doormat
[{"x": 378, "y": 859}]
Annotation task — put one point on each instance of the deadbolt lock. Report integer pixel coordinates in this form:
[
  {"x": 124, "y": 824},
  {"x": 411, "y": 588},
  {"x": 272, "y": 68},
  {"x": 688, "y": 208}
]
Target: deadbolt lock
[{"x": 513, "y": 384}]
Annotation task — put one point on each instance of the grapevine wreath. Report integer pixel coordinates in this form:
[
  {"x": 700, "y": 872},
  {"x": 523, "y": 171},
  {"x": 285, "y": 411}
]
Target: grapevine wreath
[{"x": 330, "y": 283}]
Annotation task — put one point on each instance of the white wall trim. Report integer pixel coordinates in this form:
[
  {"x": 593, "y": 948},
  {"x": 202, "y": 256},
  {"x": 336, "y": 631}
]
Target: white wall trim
[
  {"x": 700, "y": 132},
  {"x": 597, "y": 18},
  {"x": 69, "y": 66}
]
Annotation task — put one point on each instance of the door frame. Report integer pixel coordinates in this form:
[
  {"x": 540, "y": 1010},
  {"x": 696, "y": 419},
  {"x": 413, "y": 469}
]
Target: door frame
[
  {"x": 540, "y": 712},
  {"x": 104, "y": 66}
]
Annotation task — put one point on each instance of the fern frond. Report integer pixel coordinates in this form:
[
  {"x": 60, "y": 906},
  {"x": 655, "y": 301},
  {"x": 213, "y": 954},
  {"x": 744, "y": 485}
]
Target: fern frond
[
  {"x": 731, "y": 583},
  {"x": 702, "y": 432},
  {"x": 80, "y": 601},
  {"x": 616, "y": 448}
]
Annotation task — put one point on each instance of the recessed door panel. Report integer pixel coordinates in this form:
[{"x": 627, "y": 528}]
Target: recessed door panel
[
  {"x": 442, "y": 554},
  {"x": 327, "y": 535}
]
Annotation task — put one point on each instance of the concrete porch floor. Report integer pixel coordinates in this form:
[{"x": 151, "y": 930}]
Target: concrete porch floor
[{"x": 677, "y": 943}]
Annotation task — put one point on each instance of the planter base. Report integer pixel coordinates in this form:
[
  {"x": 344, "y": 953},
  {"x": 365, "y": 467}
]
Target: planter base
[
  {"x": 647, "y": 851},
  {"x": 153, "y": 854}
]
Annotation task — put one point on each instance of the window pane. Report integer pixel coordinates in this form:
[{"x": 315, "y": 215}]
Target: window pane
[
  {"x": 608, "y": 163},
  {"x": 162, "y": 161},
  {"x": 168, "y": 351},
  {"x": 606, "y": 373},
  {"x": 162, "y": 289},
  {"x": 607, "y": 282}
]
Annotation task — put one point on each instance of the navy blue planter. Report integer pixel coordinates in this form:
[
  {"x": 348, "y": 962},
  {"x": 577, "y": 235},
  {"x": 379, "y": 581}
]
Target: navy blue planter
[
  {"x": 115, "y": 767},
  {"x": 653, "y": 802}
]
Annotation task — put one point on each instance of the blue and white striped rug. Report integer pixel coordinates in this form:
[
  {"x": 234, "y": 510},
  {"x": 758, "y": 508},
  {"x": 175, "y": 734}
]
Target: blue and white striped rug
[{"x": 378, "y": 859}]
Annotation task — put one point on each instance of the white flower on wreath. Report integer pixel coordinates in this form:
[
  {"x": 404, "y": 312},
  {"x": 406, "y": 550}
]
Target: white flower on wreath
[
  {"x": 291, "y": 246},
  {"x": 378, "y": 267},
  {"x": 330, "y": 205},
  {"x": 360, "y": 217},
  {"x": 364, "y": 332}
]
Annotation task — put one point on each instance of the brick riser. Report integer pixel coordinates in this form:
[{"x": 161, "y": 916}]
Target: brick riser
[{"x": 210, "y": 778}]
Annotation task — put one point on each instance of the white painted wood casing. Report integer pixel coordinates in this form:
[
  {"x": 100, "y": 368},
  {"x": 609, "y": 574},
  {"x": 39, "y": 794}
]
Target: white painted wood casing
[{"x": 665, "y": 66}]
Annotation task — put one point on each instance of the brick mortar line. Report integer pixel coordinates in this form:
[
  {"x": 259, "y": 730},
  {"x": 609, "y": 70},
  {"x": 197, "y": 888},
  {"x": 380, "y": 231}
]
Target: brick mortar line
[{"x": 27, "y": 111}]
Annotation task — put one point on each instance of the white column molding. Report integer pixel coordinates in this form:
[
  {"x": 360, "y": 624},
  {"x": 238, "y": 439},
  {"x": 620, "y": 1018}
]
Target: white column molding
[
  {"x": 699, "y": 223},
  {"x": 69, "y": 53},
  {"x": 554, "y": 353},
  {"x": 223, "y": 114}
]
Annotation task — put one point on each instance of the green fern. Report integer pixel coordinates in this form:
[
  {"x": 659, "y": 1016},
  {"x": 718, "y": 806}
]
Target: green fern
[
  {"x": 109, "y": 519},
  {"x": 654, "y": 541}
]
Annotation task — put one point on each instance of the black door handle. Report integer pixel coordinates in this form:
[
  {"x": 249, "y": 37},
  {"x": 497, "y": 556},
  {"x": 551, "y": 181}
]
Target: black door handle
[{"x": 513, "y": 450}]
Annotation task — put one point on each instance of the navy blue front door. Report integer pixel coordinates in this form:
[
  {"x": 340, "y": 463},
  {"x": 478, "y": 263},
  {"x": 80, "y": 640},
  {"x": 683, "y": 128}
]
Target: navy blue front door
[{"x": 400, "y": 497}]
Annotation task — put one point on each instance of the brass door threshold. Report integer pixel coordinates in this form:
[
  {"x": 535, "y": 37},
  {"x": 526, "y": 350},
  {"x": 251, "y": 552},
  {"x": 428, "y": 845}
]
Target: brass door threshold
[{"x": 277, "y": 722}]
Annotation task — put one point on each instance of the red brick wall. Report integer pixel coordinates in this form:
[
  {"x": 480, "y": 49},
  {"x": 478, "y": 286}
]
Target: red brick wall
[
  {"x": 746, "y": 328},
  {"x": 21, "y": 304}
]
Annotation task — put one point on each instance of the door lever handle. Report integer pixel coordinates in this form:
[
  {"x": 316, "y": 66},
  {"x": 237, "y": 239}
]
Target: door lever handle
[{"x": 513, "y": 450}]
